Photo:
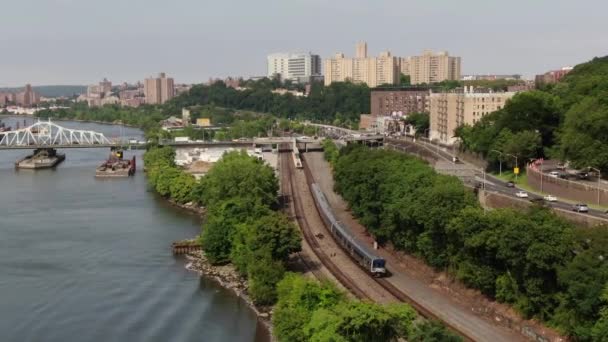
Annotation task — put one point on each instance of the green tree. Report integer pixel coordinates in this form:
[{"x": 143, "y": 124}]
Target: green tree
[
  {"x": 432, "y": 331},
  {"x": 221, "y": 224},
  {"x": 181, "y": 189},
  {"x": 272, "y": 233},
  {"x": 264, "y": 274},
  {"x": 166, "y": 177},
  {"x": 600, "y": 329},
  {"x": 298, "y": 298},
  {"x": 420, "y": 122},
  {"x": 360, "y": 321},
  {"x": 241, "y": 176},
  {"x": 583, "y": 280}
]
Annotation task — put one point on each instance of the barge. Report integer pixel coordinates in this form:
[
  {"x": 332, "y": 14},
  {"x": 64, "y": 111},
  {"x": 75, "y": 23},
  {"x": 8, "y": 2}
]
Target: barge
[
  {"x": 116, "y": 166},
  {"x": 42, "y": 158}
]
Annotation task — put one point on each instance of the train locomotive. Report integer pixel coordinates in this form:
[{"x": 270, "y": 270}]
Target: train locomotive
[{"x": 372, "y": 263}]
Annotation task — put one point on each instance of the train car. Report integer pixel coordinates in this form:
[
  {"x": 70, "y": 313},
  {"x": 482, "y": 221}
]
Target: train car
[
  {"x": 295, "y": 155},
  {"x": 372, "y": 263}
]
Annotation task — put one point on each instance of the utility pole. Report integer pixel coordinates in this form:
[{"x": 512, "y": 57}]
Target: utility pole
[
  {"x": 599, "y": 178},
  {"x": 516, "y": 165}
]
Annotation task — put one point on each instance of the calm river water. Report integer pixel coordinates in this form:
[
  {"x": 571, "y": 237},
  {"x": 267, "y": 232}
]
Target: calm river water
[{"x": 85, "y": 259}]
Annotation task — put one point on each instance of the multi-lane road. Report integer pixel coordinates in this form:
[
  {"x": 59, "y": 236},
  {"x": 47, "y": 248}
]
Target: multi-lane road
[{"x": 490, "y": 182}]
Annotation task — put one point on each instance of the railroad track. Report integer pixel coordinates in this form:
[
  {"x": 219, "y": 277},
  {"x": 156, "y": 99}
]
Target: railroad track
[
  {"x": 287, "y": 196},
  {"x": 383, "y": 282},
  {"x": 345, "y": 280}
]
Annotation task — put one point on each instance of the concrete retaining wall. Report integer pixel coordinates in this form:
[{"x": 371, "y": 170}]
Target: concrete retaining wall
[
  {"x": 496, "y": 200},
  {"x": 566, "y": 189}
]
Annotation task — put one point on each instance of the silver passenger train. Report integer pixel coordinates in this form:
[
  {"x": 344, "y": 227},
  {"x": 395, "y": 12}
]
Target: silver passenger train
[{"x": 364, "y": 256}]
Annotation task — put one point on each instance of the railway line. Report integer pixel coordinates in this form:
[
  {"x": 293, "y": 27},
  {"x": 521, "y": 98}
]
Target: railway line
[
  {"x": 297, "y": 185},
  {"x": 288, "y": 206},
  {"x": 287, "y": 162},
  {"x": 392, "y": 289},
  {"x": 297, "y": 180},
  {"x": 289, "y": 165}
]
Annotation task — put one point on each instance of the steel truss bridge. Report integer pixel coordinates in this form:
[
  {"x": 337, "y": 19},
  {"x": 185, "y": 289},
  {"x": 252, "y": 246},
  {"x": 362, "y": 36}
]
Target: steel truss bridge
[{"x": 46, "y": 134}]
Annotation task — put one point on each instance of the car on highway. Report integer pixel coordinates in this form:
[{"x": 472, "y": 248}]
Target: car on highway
[
  {"x": 554, "y": 174},
  {"x": 580, "y": 208},
  {"x": 538, "y": 201},
  {"x": 550, "y": 198},
  {"x": 510, "y": 184},
  {"x": 521, "y": 194}
]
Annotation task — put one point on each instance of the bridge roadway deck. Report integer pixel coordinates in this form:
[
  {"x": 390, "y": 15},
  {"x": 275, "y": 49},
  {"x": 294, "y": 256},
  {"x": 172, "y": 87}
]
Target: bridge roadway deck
[{"x": 32, "y": 147}]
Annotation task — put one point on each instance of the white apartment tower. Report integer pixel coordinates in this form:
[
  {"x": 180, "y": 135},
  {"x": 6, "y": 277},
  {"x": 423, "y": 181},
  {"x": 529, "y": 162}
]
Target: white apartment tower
[{"x": 294, "y": 66}]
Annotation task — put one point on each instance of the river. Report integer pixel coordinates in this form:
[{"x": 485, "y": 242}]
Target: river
[{"x": 86, "y": 259}]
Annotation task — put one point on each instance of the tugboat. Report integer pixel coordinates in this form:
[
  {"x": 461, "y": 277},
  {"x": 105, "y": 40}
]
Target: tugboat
[
  {"x": 116, "y": 166},
  {"x": 42, "y": 158}
]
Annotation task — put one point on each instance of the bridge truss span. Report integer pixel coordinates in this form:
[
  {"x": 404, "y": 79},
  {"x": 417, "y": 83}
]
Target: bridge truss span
[{"x": 49, "y": 134}]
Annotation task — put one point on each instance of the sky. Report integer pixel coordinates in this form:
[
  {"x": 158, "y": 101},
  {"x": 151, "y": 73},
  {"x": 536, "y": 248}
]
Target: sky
[{"x": 45, "y": 42}]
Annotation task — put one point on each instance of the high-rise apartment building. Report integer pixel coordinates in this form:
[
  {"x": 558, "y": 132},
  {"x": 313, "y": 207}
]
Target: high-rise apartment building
[
  {"x": 27, "y": 97},
  {"x": 431, "y": 67},
  {"x": 372, "y": 71},
  {"x": 105, "y": 86},
  {"x": 300, "y": 67},
  {"x": 449, "y": 110},
  {"x": 361, "y": 50},
  {"x": 159, "y": 90}
]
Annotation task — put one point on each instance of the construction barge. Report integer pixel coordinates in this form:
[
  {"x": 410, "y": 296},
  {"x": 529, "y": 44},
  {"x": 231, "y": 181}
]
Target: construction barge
[
  {"x": 42, "y": 158},
  {"x": 116, "y": 166}
]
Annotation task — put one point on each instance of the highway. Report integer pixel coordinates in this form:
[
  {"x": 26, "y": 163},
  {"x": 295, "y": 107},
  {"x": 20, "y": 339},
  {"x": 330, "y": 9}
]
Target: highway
[{"x": 492, "y": 183}]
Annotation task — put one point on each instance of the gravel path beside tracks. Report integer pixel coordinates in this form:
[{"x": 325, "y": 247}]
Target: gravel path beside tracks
[{"x": 441, "y": 304}]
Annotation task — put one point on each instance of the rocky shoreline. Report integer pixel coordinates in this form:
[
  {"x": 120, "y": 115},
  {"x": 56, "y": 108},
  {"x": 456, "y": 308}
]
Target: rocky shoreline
[
  {"x": 190, "y": 206},
  {"x": 227, "y": 277}
]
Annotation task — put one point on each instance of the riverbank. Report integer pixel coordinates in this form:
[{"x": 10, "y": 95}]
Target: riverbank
[
  {"x": 113, "y": 123},
  {"x": 227, "y": 277}
]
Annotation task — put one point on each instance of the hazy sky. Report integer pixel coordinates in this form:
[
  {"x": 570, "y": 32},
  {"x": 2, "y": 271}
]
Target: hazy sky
[{"x": 82, "y": 41}]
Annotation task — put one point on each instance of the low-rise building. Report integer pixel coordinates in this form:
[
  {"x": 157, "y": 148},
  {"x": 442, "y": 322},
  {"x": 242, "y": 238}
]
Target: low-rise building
[
  {"x": 203, "y": 122},
  {"x": 282, "y": 91},
  {"x": 449, "y": 110},
  {"x": 552, "y": 76}
]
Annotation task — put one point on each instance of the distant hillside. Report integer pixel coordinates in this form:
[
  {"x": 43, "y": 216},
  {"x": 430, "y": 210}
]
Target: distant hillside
[{"x": 53, "y": 90}]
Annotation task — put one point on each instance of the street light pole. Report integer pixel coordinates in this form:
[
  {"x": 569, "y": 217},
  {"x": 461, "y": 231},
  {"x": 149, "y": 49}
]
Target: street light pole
[
  {"x": 541, "y": 175},
  {"x": 516, "y": 164},
  {"x": 499, "y": 161}
]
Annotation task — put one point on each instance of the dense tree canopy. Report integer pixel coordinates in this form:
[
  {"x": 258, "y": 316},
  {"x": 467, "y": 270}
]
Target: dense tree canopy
[
  {"x": 531, "y": 259},
  {"x": 308, "y": 311},
  {"x": 339, "y": 101}
]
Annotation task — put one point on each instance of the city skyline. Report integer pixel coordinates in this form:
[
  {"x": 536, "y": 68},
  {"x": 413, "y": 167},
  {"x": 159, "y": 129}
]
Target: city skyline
[{"x": 198, "y": 41}]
